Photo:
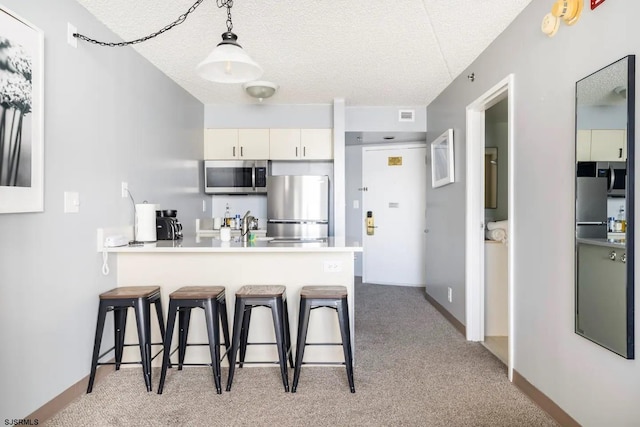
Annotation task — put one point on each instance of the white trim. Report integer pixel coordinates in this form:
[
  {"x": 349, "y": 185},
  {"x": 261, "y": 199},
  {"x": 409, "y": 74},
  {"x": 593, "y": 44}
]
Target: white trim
[
  {"x": 474, "y": 240},
  {"x": 442, "y": 143},
  {"x": 339, "y": 168}
]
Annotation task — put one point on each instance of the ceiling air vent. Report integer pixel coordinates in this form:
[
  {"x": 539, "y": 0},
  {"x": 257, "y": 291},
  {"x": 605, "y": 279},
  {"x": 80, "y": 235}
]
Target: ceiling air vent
[{"x": 406, "y": 115}]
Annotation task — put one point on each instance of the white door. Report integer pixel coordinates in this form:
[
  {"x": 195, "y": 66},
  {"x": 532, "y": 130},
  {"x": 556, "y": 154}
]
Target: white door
[{"x": 394, "y": 191}]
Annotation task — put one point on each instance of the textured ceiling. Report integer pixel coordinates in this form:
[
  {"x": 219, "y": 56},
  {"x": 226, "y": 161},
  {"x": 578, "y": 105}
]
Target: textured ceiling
[{"x": 368, "y": 52}]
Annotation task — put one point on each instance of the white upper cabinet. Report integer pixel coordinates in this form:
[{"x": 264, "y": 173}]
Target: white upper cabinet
[
  {"x": 609, "y": 145},
  {"x": 301, "y": 144},
  {"x": 316, "y": 144},
  {"x": 583, "y": 145},
  {"x": 284, "y": 144},
  {"x": 220, "y": 144},
  {"x": 236, "y": 144},
  {"x": 253, "y": 144},
  {"x": 268, "y": 144}
]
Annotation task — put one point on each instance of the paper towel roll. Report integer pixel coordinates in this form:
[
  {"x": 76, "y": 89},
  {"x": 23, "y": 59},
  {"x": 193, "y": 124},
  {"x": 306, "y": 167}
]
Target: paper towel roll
[{"x": 146, "y": 222}]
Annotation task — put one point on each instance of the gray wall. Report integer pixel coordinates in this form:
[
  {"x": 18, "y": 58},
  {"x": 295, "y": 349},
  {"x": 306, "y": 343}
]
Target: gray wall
[
  {"x": 354, "y": 216},
  {"x": 109, "y": 116},
  {"x": 593, "y": 385},
  {"x": 602, "y": 117},
  {"x": 268, "y": 115},
  {"x": 384, "y": 119}
]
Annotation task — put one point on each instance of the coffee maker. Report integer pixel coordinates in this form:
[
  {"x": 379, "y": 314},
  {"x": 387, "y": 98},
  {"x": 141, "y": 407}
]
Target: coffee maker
[{"x": 167, "y": 225}]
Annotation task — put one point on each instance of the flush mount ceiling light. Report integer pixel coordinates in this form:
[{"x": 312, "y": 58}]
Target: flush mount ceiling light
[
  {"x": 260, "y": 89},
  {"x": 227, "y": 63}
]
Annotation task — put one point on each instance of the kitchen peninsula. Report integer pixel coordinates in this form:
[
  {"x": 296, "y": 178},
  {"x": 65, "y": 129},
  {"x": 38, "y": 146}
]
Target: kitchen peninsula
[{"x": 207, "y": 261}]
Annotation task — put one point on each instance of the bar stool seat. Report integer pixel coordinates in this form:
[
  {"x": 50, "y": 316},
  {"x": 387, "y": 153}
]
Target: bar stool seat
[
  {"x": 119, "y": 300},
  {"x": 212, "y": 300},
  {"x": 334, "y": 297},
  {"x": 247, "y": 298}
]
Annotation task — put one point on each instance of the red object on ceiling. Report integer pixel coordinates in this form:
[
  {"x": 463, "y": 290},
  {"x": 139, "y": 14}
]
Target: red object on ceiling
[{"x": 596, "y": 3}]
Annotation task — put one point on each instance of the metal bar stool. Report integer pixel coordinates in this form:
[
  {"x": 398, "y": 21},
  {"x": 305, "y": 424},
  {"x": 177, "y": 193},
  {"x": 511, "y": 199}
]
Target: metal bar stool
[
  {"x": 119, "y": 300},
  {"x": 247, "y": 298},
  {"x": 212, "y": 300},
  {"x": 334, "y": 297}
]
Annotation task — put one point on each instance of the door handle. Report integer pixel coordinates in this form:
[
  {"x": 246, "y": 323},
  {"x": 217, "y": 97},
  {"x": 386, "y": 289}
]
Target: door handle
[
  {"x": 234, "y": 151},
  {"x": 620, "y": 155},
  {"x": 612, "y": 178},
  {"x": 241, "y": 152}
]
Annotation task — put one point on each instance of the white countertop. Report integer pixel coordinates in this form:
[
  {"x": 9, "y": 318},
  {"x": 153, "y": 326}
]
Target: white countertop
[
  {"x": 611, "y": 243},
  {"x": 200, "y": 243}
]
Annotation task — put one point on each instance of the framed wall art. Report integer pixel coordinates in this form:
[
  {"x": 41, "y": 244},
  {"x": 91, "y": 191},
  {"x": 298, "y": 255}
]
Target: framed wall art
[
  {"x": 21, "y": 115},
  {"x": 442, "y": 160}
]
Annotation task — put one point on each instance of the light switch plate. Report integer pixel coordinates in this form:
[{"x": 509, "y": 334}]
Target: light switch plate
[{"x": 71, "y": 202}]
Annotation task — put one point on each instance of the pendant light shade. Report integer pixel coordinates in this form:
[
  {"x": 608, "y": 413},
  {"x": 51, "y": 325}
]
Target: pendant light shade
[{"x": 229, "y": 63}]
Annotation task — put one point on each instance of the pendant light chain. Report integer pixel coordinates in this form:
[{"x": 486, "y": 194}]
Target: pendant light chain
[
  {"x": 220, "y": 3},
  {"x": 228, "y": 4}
]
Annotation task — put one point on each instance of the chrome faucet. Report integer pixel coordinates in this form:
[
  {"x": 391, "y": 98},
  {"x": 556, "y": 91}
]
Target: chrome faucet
[{"x": 246, "y": 221}]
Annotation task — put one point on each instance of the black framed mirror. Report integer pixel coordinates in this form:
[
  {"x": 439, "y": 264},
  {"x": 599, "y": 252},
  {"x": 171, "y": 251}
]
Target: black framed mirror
[{"x": 604, "y": 206}]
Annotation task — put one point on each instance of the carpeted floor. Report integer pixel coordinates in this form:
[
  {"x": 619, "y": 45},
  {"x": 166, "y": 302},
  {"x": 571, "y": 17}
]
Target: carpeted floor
[{"x": 413, "y": 368}]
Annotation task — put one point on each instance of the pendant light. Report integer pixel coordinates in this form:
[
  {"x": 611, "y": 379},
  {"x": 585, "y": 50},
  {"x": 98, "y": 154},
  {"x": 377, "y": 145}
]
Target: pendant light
[{"x": 228, "y": 62}]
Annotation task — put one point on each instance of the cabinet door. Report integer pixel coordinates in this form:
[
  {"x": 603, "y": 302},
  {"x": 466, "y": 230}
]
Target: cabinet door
[
  {"x": 583, "y": 145},
  {"x": 284, "y": 144},
  {"x": 253, "y": 144},
  {"x": 316, "y": 144},
  {"x": 601, "y": 296},
  {"x": 221, "y": 144},
  {"x": 609, "y": 145}
]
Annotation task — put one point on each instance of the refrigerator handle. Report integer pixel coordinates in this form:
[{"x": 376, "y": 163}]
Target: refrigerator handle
[{"x": 612, "y": 178}]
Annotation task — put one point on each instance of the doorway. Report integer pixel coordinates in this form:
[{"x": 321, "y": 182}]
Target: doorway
[
  {"x": 394, "y": 193},
  {"x": 476, "y": 219}
]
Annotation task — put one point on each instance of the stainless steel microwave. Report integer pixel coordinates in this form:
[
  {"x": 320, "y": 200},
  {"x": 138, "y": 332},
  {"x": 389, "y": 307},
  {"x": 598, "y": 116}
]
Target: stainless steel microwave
[
  {"x": 614, "y": 172},
  {"x": 235, "y": 176}
]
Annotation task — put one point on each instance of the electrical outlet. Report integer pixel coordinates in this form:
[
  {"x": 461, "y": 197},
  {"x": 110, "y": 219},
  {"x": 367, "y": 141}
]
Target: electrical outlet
[
  {"x": 450, "y": 295},
  {"x": 332, "y": 266},
  {"x": 125, "y": 189}
]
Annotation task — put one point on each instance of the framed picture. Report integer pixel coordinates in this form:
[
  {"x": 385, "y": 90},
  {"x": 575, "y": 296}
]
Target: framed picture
[
  {"x": 21, "y": 115},
  {"x": 442, "y": 160}
]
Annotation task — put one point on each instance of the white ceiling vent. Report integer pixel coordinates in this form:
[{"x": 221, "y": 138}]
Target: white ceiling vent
[{"x": 407, "y": 115}]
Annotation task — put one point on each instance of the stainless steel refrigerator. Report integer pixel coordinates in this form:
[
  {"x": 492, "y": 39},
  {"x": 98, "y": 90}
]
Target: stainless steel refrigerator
[
  {"x": 298, "y": 206},
  {"x": 591, "y": 208}
]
